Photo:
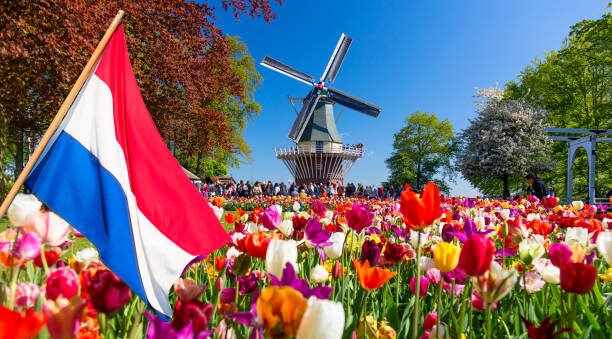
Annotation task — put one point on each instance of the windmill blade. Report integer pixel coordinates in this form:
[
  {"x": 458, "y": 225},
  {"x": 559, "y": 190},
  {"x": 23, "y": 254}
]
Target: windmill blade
[
  {"x": 353, "y": 103},
  {"x": 310, "y": 102},
  {"x": 287, "y": 70},
  {"x": 336, "y": 59}
]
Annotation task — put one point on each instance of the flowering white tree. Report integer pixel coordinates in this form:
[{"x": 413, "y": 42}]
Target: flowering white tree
[{"x": 506, "y": 139}]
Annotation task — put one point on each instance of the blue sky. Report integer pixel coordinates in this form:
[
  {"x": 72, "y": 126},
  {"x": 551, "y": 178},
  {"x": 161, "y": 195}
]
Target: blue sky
[{"x": 405, "y": 56}]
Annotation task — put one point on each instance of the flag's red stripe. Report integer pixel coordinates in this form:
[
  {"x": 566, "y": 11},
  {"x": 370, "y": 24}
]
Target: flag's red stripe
[{"x": 163, "y": 192}]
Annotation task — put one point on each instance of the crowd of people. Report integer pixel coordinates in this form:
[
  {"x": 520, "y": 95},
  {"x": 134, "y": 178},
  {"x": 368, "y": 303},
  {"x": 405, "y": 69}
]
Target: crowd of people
[{"x": 246, "y": 189}]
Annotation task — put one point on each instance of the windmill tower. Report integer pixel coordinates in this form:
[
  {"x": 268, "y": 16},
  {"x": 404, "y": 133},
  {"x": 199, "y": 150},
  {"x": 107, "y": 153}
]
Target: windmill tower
[{"x": 319, "y": 155}]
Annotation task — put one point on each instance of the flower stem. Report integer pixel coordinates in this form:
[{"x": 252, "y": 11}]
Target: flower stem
[
  {"x": 574, "y": 307},
  {"x": 135, "y": 330},
  {"x": 439, "y": 311},
  {"x": 417, "y": 290},
  {"x": 488, "y": 321},
  {"x": 43, "y": 258}
]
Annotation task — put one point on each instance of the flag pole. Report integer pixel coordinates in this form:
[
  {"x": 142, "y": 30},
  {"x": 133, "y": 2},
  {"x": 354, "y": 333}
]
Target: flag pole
[{"x": 63, "y": 110}]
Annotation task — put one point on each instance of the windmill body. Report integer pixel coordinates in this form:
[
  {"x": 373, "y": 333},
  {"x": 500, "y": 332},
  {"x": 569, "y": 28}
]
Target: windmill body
[{"x": 319, "y": 156}]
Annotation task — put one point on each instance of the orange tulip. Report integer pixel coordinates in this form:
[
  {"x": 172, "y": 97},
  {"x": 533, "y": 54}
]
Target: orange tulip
[
  {"x": 240, "y": 212},
  {"x": 218, "y": 201},
  {"x": 14, "y": 324},
  {"x": 372, "y": 278},
  {"x": 420, "y": 212},
  {"x": 230, "y": 218},
  {"x": 281, "y": 308},
  {"x": 256, "y": 244}
]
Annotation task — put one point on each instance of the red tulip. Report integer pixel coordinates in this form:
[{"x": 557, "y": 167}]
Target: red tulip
[
  {"x": 192, "y": 312},
  {"x": 578, "y": 278},
  {"x": 25, "y": 325},
  {"x": 62, "y": 282},
  {"x": 430, "y": 321},
  {"x": 51, "y": 256},
  {"x": 420, "y": 212},
  {"x": 106, "y": 291},
  {"x": 476, "y": 255}
]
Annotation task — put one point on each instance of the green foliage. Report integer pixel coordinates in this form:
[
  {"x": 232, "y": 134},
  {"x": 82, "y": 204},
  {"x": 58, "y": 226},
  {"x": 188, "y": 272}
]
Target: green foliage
[
  {"x": 422, "y": 152},
  {"x": 574, "y": 84}
]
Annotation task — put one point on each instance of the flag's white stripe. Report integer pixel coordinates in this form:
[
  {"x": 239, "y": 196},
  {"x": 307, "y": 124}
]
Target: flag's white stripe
[{"x": 91, "y": 122}]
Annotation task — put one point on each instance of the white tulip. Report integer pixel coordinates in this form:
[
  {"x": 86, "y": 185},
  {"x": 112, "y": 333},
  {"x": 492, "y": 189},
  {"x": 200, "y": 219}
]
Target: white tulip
[
  {"x": 24, "y": 210},
  {"x": 549, "y": 272},
  {"x": 604, "y": 246},
  {"x": 334, "y": 251},
  {"x": 577, "y": 205},
  {"x": 318, "y": 274},
  {"x": 218, "y": 210},
  {"x": 296, "y": 207},
  {"x": 578, "y": 235},
  {"x": 279, "y": 253},
  {"x": 251, "y": 228},
  {"x": 323, "y": 319},
  {"x": 426, "y": 263},
  {"x": 86, "y": 255},
  {"x": 232, "y": 253},
  {"x": 530, "y": 249},
  {"x": 286, "y": 227}
]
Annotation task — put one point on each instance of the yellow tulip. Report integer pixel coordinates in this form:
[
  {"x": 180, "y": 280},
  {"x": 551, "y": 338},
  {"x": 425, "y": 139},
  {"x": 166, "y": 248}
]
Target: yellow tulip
[{"x": 446, "y": 256}]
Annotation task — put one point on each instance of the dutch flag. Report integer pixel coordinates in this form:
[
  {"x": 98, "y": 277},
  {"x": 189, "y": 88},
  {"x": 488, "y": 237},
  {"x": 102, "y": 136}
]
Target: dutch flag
[{"x": 108, "y": 172}]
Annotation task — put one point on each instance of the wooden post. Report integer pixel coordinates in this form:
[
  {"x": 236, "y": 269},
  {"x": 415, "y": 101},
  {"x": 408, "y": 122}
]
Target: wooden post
[{"x": 63, "y": 110}]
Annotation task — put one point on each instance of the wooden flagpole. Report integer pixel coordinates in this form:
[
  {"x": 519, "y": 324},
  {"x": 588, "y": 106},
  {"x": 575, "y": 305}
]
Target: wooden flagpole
[{"x": 63, "y": 110}]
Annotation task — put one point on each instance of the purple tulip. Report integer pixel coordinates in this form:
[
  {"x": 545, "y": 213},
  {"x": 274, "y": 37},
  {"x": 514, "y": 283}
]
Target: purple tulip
[
  {"x": 457, "y": 274},
  {"x": 469, "y": 228},
  {"x": 289, "y": 278},
  {"x": 247, "y": 283},
  {"x": 159, "y": 329},
  {"x": 228, "y": 295},
  {"x": 370, "y": 251},
  {"x": 28, "y": 246},
  {"x": 271, "y": 217},
  {"x": 318, "y": 236}
]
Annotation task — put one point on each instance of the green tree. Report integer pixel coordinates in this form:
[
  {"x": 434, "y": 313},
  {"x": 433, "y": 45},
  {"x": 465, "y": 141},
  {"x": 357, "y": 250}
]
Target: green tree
[
  {"x": 505, "y": 141},
  {"x": 422, "y": 151},
  {"x": 574, "y": 84}
]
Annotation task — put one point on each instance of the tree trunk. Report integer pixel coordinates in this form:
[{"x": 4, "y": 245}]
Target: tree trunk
[
  {"x": 19, "y": 155},
  {"x": 506, "y": 193}
]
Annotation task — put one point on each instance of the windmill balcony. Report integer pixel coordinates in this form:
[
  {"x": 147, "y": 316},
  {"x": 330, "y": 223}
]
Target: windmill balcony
[{"x": 355, "y": 151}]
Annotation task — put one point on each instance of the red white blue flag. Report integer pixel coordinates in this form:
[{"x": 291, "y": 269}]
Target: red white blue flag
[{"x": 108, "y": 172}]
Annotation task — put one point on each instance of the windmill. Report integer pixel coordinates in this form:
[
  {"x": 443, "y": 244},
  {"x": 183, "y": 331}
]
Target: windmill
[{"x": 319, "y": 155}]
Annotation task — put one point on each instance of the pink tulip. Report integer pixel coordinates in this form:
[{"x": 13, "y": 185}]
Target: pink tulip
[
  {"x": 28, "y": 246},
  {"x": 62, "y": 282},
  {"x": 64, "y": 316},
  {"x": 359, "y": 217},
  {"x": 559, "y": 254},
  {"x": 271, "y": 217},
  {"x": 423, "y": 287},
  {"x": 25, "y": 294},
  {"x": 52, "y": 229},
  {"x": 188, "y": 289}
]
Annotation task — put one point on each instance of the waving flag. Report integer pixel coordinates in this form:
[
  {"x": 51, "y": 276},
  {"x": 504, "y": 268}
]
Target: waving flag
[{"x": 108, "y": 172}]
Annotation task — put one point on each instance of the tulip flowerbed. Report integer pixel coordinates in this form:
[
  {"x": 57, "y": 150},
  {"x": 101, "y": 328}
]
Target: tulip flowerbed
[{"x": 422, "y": 266}]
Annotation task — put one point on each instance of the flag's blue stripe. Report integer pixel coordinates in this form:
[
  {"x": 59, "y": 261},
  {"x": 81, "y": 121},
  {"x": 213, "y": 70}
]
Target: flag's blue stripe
[{"x": 71, "y": 181}]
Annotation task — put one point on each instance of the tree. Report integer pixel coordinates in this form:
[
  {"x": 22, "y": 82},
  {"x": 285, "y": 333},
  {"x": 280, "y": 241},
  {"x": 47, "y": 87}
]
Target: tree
[
  {"x": 505, "y": 141},
  {"x": 183, "y": 63},
  {"x": 574, "y": 84},
  {"x": 422, "y": 151}
]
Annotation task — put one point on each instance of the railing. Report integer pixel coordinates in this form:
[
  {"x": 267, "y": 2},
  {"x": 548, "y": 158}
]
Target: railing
[{"x": 326, "y": 148}]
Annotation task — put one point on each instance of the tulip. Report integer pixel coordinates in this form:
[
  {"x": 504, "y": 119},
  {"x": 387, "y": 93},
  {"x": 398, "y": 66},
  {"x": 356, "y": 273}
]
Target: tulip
[
  {"x": 545, "y": 330},
  {"x": 559, "y": 254},
  {"x": 18, "y": 325},
  {"x": 187, "y": 289},
  {"x": 289, "y": 278},
  {"x": 192, "y": 312},
  {"x": 430, "y": 321},
  {"x": 549, "y": 272},
  {"x": 446, "y": 256},
  {"x": 248, "y": 283},
  {"x": 422, "y": 286},
  {"x": 530, "y": 249},
  {"x": 51, "y": 257},
  {"x": 338, "y": 270},
  {"x": 27, "y": 247},
  {"x": 286, "y": 227},
  {"x": 578, "y": 278},
  {"x": 318, "y": 274},
  {"x": 64, "y": 316},
  {"x": 419, "y": 213},
  {"x": 372, "y": 278},
  {"x": 359, "y": 217},
  {"x": 271, "y": 217},
  {"x": 532, "y": 282},
  {"x": 106, "y": 291},
  {"x": 278, "y": 254},
  {"x": 370, "y": 251},
  {"x": 61, "y": 282},
  {"x": 255, "y": 244},
  {"x": 479, "y": 304},
  {"x": 281, "y": 308},
  {"x": 577, "y": 235},
  {"x": 495, "y": 283},
  {"x": 476, "y": 255},
  {"x": 86, "y": 255},
  {"x": 323, "y": 319},
  {"x": 160, "y": 329},
  {"x": 577, "y": 205},
  {"x": 334, "y": 251},
  {"x": 395, "y": 252},
  {"x": 23, "y": 210},
  {"x": 604, "y": 246},
  {"x": 52, "y": 229},
  {"x": 433, "y": 275},
  {"x": 25, "y": 294},
  {"x": 296, "y": 207}
]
